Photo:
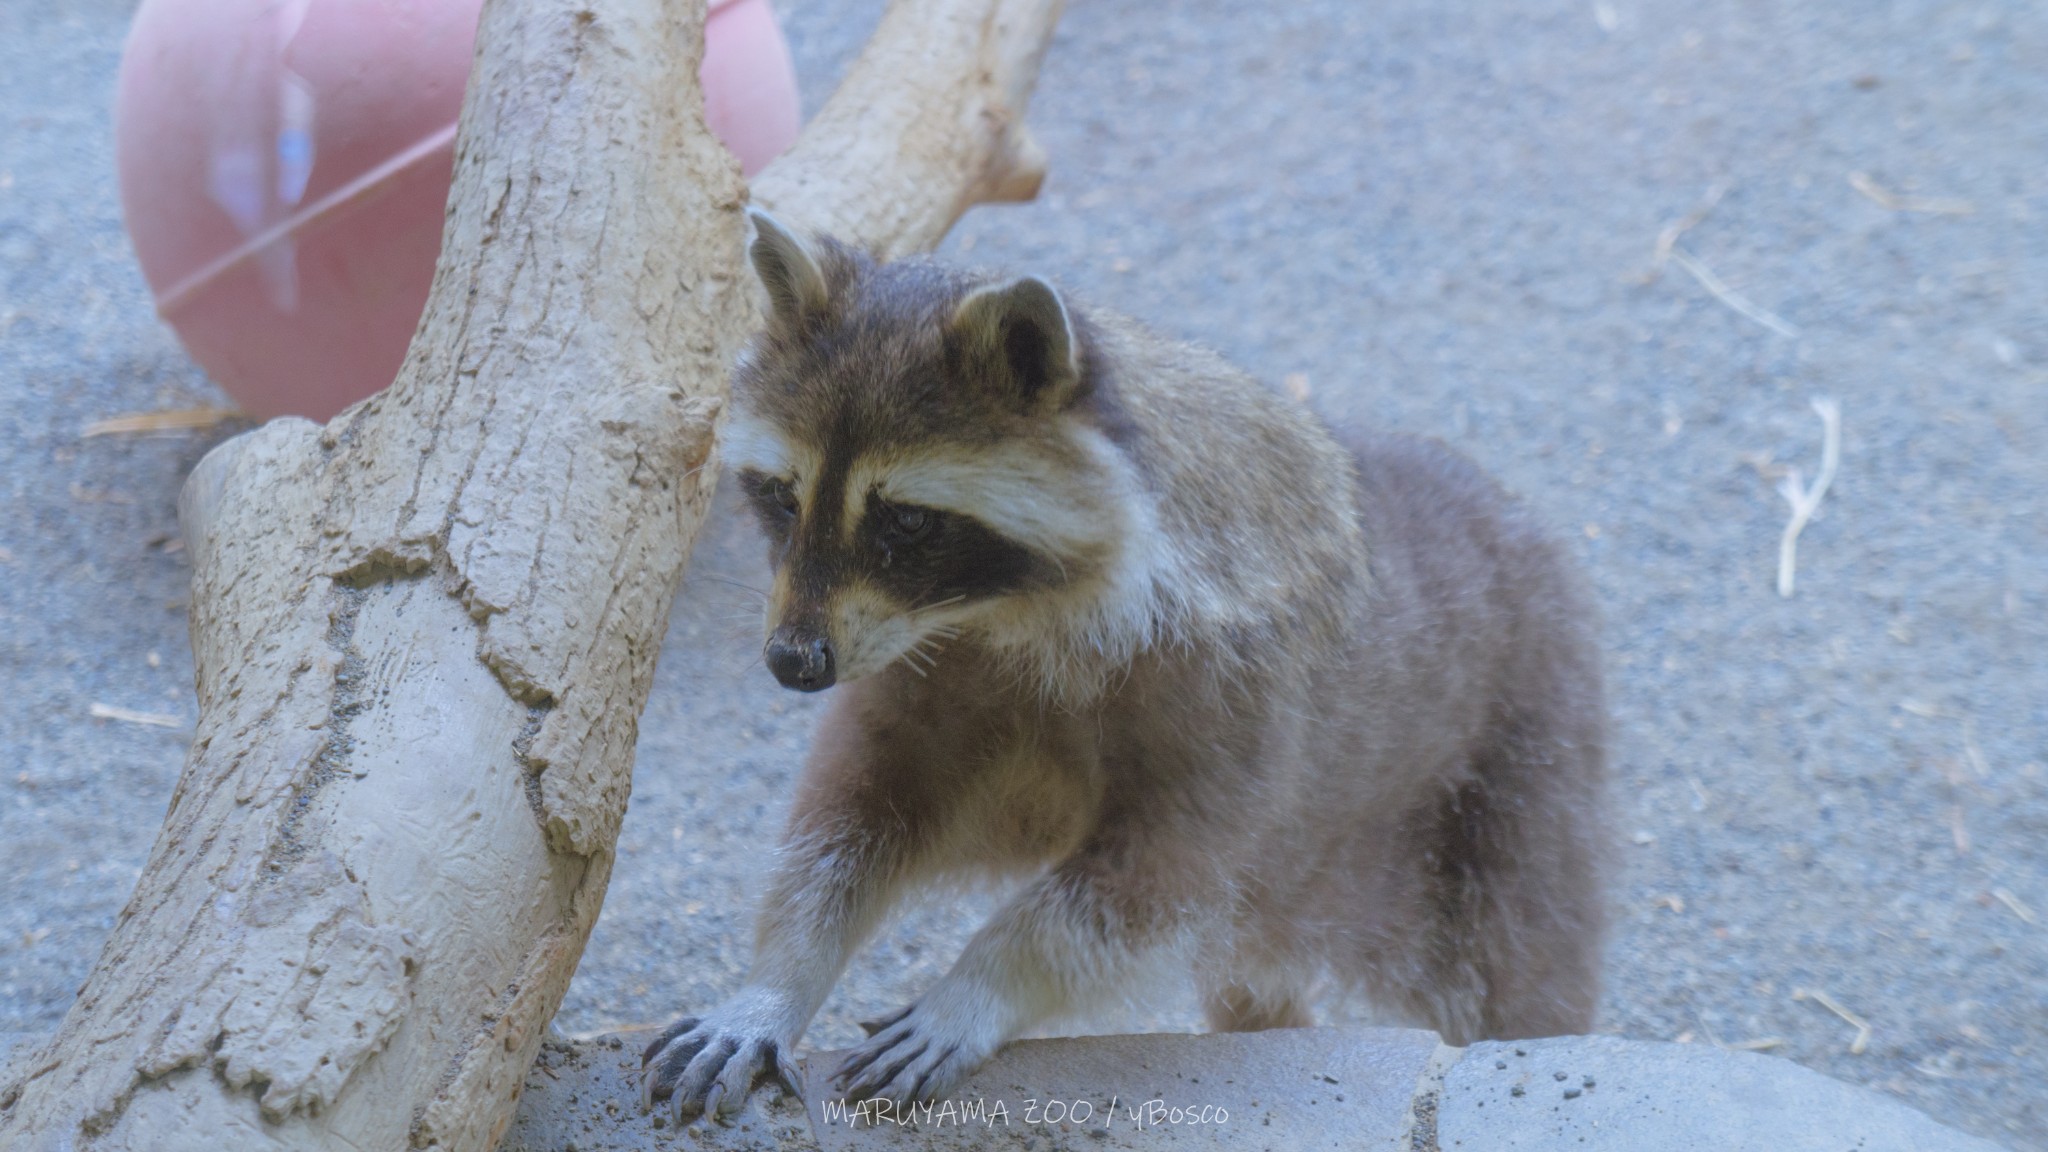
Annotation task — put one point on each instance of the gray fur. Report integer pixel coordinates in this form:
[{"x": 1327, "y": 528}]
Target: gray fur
[
  {"x": 1310, "y": 712},
  {"x": 786, "y": 269}
]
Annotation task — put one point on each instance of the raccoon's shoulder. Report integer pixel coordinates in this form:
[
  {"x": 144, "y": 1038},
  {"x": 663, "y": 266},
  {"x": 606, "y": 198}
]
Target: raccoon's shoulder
[
  {"x": 1181, "y": 410},
  {"x": 1256, "y": 495}
]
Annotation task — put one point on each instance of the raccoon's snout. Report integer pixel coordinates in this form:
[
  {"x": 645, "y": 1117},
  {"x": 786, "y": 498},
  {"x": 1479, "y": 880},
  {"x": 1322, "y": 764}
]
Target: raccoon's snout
[{"x": 801, "y": 659}]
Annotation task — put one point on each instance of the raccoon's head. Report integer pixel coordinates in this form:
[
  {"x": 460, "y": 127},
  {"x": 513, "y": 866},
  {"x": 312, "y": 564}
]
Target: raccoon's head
[{"x": 929, "y": 457}]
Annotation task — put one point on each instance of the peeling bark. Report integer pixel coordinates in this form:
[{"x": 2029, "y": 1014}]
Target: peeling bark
[{"x": 424, "y": 633}]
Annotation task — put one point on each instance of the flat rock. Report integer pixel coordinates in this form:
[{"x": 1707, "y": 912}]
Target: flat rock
[
  {"x": 1288, "y": 1090},
  {"x": 1281, "y": 1091},
  {"x": 584, "y": 1096},
  {"x": 1603, "y": 1094}
]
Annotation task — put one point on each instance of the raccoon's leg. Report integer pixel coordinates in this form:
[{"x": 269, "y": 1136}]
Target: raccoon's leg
[
  {"x": 1241, "y": 1008},
  {"x": 886, "y": 776},
  {"x": 1544, "y": 846},
  {"x": 1071, "y": 934},
  {"x": 1537, "y": 837},
  {"x": 1541, "y": 924},
  {"x": 1262, "y": 974},
  {"x": 1509, "y": 909},
  {"x": 1182, "y": 765}
]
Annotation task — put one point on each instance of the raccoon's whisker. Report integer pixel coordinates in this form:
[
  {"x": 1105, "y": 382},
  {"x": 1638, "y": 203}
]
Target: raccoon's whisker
[
  {"x": 940, "y": 603},
  {"x": 736, "y": 584},
  {"x": 740, "y": 642},
  {"x": 730, "y": 665},
  {"x": 925, "y": 652}
]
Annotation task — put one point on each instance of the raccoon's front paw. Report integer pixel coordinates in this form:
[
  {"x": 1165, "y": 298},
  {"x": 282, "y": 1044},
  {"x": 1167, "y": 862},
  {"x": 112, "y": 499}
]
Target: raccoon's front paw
[
  {"x": 707, "y": 1066},
  {"x": 919, "y": 1054}
]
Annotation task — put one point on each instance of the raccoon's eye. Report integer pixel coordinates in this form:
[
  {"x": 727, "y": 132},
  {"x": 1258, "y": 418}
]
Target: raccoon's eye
[
  {"x": 783, "y": 496},
  {"x": 907, "y": 522}
]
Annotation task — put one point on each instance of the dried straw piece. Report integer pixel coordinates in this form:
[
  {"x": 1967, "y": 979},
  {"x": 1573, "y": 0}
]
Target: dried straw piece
[
  {"x": 1862, "y": 1026},
  {"x": 130, "y": 716},
  {"x": 1668, "y": 250},
  {"x": 2004, "y": 896},
  {"x": 1805, "y": 501},
  {"x": 1893, "y": 202},
  {"x": 170, "y": 420},
  {"x": 1733, "y": 299}
]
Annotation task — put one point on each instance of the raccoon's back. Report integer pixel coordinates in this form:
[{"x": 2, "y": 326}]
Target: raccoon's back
[{"x": 1473, "y": 601}]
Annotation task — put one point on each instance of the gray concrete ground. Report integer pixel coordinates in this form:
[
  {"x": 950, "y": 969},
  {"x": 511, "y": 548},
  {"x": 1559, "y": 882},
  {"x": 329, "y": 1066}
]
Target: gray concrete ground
[{"x": 1438, "y": 217}]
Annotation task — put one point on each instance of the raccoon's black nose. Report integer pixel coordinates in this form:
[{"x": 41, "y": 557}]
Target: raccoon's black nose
[{"x": 801, "y": 662}]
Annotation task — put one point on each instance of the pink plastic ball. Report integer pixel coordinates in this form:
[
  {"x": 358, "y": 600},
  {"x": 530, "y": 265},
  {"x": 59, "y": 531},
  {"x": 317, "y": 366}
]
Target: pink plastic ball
[{"x": 284, "y": 167}]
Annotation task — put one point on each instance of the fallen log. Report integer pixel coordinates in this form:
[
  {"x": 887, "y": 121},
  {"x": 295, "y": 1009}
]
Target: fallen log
[{"x": 425, "y": 632}]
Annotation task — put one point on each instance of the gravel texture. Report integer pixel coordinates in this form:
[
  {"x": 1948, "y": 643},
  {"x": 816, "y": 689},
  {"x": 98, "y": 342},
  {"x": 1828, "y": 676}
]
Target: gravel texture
[{"x": 1438, "y": 217}]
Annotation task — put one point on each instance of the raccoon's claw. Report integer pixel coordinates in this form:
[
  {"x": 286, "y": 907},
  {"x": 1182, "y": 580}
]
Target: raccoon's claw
[
  {"x": 873, "y": 1026},
  {"x": 909, "y": 1058},
  {"x": 685, "y": 1024},
  {"x": 789, "y": 1073},
  {"x": 701, "y": 1069}
]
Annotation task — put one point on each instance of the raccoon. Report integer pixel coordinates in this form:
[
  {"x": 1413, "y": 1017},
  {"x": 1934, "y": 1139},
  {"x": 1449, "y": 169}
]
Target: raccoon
[{"x": 1108, "y": 615}]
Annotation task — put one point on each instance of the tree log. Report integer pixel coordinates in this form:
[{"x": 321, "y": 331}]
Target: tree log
[{"x": 424, "y": 633}]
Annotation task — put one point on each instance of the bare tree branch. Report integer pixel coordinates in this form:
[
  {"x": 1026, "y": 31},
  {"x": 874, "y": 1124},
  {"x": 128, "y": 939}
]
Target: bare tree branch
[{"x": 425, "y": 632}]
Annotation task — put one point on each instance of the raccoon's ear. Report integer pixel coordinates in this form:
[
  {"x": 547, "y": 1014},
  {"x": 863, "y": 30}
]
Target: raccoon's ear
[
  {"x": 1020, "y": 332},
  {"x": 795, "y": 283}
]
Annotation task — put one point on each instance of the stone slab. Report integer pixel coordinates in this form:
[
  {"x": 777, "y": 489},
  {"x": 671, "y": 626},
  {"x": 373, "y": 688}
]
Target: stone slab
[
  {"x": 1290, "y": 1090},
  {"x": 584, "y": 1096},
  {"x": 1603, "y": 1094},
  {"x": 1356, "y": 1089}
]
